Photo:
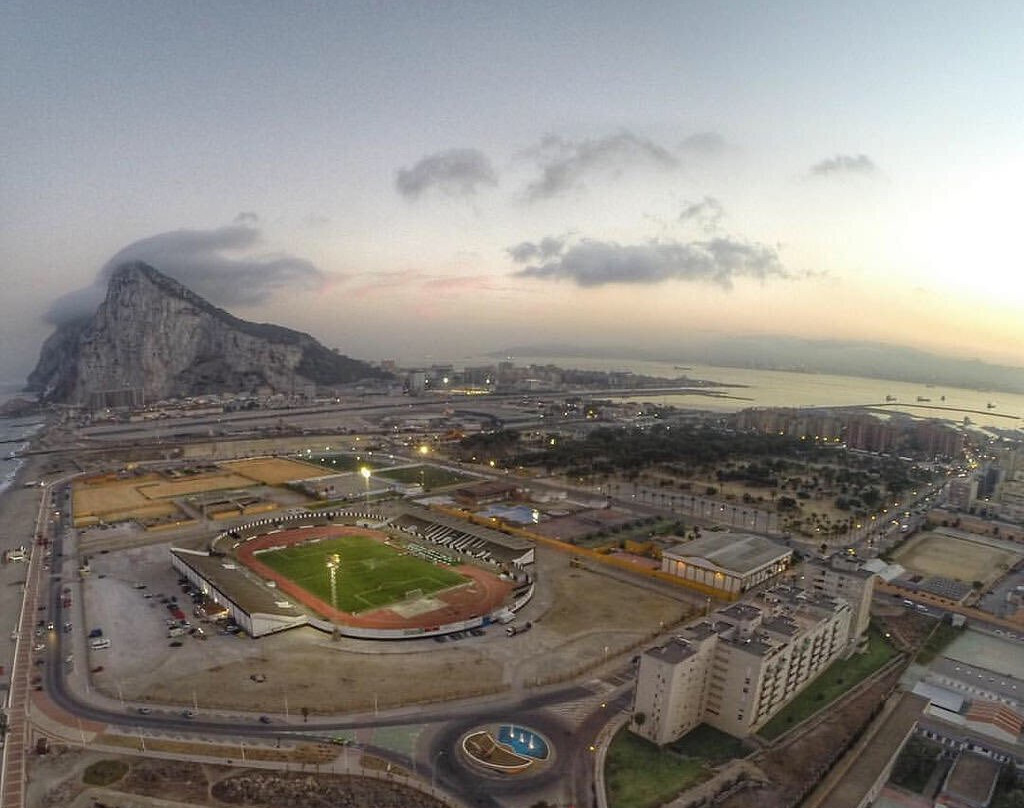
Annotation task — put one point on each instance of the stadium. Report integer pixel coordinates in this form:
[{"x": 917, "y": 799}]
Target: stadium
[{"x": 400, "y": 572}]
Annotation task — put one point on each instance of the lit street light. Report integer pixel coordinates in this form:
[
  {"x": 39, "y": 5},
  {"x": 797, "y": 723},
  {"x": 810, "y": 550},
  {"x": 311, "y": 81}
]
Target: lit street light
[{"x": 365, "y": 471}]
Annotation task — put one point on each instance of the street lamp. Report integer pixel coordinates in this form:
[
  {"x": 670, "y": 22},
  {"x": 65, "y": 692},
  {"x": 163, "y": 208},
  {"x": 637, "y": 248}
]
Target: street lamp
[
  {"x": 365, "y": 471},
  {"x": 433, "y": 770}
]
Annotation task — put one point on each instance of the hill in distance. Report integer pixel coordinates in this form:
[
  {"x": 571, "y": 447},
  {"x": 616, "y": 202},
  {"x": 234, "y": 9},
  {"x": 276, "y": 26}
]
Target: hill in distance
[{"x": 845, "y": 358}]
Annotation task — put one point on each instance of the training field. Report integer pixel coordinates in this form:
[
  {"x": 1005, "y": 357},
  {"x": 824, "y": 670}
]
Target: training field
[
  {"x": 273, "y": 470},
  {"x": 369, "y": 574},
  {"x": 959, "y": 559}
]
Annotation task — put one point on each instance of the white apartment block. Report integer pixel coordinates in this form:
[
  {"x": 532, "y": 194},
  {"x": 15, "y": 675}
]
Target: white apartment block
[
  {"x": 843, "y": 576},
  {"x": 735, "y": 669}
]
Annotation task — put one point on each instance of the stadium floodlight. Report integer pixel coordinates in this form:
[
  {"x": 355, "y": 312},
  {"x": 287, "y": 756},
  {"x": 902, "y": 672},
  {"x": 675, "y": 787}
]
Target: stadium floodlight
[
  {"x": 333, "y": 562},
  {"x": 365, "y": 471}
]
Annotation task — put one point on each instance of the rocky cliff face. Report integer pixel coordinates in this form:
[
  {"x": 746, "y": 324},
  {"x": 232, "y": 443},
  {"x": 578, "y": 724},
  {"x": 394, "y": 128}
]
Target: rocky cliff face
[{"x": 153, "y": 335}]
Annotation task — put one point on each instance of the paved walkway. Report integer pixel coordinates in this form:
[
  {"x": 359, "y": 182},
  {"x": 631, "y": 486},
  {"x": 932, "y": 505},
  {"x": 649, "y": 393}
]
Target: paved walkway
[{"x": 17, "y": 747}]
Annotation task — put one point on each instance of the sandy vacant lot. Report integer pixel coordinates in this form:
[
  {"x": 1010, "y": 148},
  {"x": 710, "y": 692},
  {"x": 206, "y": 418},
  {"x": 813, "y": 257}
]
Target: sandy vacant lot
[
  {"x": 193, "y": 485},
  {"x": 275, "y": 470},
  {"x": 959, "y": 559}
]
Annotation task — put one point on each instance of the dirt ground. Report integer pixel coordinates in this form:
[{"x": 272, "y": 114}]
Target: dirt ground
[
  {"x": 948, "y": 557},
  {"x": 193, "y": 485},
  {"x": 581, "y": 619},
  {"x": 275, "y": 470},
  {"x": 57, "y": 782}
]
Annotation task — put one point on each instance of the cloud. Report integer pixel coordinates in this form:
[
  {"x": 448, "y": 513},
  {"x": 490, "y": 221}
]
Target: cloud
[
  {"x": 845, "y": 164},
  {"x": 706, "y": 144},
  {"x": 456, "y": 172},
  {"x": 547, "y": 247},
  {"x": 706, "y": 214},
  {"x": 247, "y": 219},
  {"x": 719, "y": 261},
  {"x": 566, "y": 164},
  {"x": 215, "y": 264}
]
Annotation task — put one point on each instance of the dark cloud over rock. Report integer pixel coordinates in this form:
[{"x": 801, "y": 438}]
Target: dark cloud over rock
[
  {"x": 456, "y": 172},
  {"x": 215, "y": 264}
]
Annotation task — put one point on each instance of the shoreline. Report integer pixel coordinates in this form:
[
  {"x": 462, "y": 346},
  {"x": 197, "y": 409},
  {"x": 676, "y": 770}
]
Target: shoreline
[{"x": 19, "y": 506}]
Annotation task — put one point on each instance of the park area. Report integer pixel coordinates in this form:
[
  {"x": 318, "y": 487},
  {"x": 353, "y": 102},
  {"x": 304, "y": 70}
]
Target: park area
[
  {"x": 640, "y": 774},
  {"x": 429, "y": 477},
  {"x": 358, "y": 573},
  {"x": 944, "y": 556}
]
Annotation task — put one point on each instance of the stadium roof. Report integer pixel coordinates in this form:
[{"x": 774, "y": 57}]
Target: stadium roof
[
  {"x": 235, "y": 581},
  {"x": 492, "y": 536},
  {"x": 736, "y": 552}
]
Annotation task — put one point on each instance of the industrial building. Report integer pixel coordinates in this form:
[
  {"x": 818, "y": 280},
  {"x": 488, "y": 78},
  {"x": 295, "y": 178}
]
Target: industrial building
[{"x": 725, "y": 565}]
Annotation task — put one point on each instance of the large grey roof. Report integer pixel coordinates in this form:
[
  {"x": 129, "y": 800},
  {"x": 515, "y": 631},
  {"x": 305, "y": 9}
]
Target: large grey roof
[
  {"x": 737, "y": 552},
  {"x": 235, "y": 581}
]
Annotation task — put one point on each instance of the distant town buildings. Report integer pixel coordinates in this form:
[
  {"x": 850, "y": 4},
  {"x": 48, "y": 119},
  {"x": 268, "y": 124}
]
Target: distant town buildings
[
  {"x": 857, "y": 429},
  {"x": 738, "y": 667}
]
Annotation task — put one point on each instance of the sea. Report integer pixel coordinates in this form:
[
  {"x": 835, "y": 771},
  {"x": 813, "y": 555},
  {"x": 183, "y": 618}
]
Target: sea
[
  {"x": 751, "y": 387},
  {"x": 14, "y": 436}
]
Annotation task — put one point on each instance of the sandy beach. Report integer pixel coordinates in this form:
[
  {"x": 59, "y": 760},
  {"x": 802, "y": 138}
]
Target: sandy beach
[{"x": 19, "y": 507}]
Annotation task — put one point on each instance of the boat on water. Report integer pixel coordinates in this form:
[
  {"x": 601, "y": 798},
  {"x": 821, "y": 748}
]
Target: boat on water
[
  {"x": 990, "y": 406},
  {"x": 889, "y": 399},
  {"x": 923, "y": 398}
]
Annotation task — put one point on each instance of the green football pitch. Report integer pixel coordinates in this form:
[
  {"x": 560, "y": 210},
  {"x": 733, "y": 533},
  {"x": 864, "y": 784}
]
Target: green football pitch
[{"x": 368, "y": 574}]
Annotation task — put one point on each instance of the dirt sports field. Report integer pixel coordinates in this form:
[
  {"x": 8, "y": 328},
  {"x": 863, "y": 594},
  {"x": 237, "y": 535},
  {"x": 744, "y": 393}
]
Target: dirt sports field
[
  {"x": 275, "y": 470},
  {"x": 959, "y": 559},
  {"x": 112, "y": 498}
]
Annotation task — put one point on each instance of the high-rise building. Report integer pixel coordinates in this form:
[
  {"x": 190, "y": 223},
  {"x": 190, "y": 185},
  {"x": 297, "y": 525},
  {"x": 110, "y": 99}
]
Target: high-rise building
[
  {"x": 961, "y": 492},
  {"x": 738, "y": 667},
  {"x": 843, "y": 576}
]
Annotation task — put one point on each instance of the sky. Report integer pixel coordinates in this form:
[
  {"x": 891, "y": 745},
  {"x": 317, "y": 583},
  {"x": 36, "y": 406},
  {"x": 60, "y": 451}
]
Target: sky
[{"x": 410, "y": 180}]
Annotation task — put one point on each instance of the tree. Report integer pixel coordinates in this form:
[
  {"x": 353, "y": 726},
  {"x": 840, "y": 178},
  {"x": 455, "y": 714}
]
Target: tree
[
  {"x": 639, "y": 719},
  {"x": 786, "y": 504},
  {"x": 305, "y": 715}
]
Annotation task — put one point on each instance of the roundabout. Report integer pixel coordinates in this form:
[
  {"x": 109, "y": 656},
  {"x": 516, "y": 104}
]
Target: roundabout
[{"x": 509, "y": 750}]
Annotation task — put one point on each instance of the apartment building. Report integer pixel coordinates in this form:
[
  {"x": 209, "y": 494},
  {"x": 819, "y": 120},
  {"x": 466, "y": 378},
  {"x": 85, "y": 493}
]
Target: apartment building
[
  {"x": 844, "y": 576},
  {"x": 736, "y": 668}
]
